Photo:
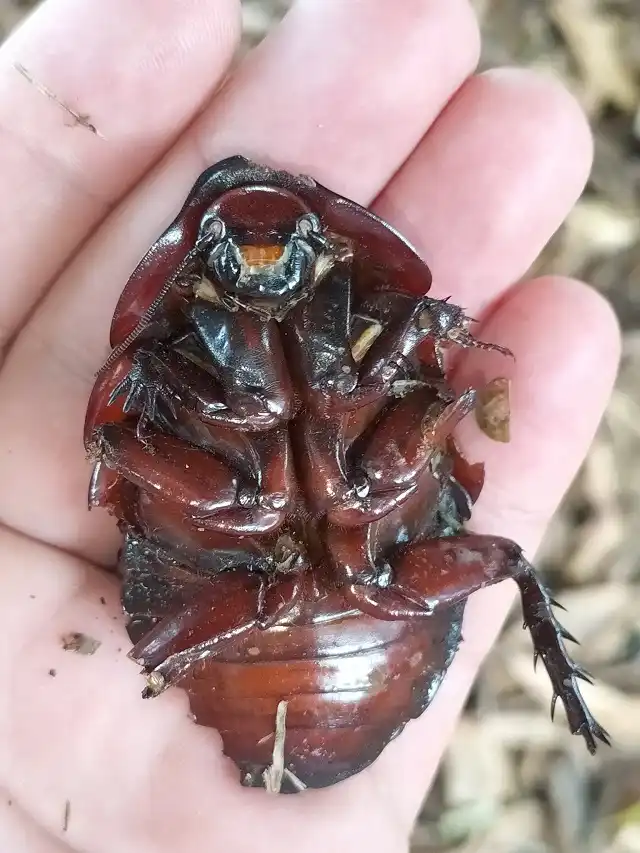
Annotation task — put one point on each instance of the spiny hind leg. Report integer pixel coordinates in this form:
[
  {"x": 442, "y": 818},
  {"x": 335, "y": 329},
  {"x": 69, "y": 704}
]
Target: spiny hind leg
[{"x": 443, "y": 572}]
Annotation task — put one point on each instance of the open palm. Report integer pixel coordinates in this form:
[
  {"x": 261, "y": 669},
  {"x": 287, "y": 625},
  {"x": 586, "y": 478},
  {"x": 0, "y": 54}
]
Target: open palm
[{"x": 377, "y": 101}]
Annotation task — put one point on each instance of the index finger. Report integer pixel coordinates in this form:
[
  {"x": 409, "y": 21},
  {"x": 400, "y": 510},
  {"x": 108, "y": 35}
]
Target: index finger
[{"x": 139, "y": 71}]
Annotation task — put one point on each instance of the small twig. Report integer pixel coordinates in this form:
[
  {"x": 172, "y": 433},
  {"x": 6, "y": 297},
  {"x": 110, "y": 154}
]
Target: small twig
[
  {"x": 272, "y": 776},
  {"x": 78, "y": 118},
  {"x": 297, "y": 783},
  {"x": 276, "y": 772},
  {"x": 67, "y": 816}
]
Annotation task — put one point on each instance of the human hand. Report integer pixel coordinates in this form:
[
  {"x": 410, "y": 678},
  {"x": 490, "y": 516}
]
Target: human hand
[{"x": 354, "y": 94}]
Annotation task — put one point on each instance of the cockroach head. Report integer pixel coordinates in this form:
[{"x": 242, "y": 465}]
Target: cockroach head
[{"x": 262, "y": 249}]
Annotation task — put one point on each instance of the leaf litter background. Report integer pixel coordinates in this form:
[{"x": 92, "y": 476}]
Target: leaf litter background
[{"x": 512, "y": 781}]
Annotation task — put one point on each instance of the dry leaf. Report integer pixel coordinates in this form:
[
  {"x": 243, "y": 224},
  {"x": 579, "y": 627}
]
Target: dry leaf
[
  {"x": 593, "y": 37},
  {"x": 493, "y": 411},
  {"x": 273, "y": 775},
  {"x": 595, "y": 228}
]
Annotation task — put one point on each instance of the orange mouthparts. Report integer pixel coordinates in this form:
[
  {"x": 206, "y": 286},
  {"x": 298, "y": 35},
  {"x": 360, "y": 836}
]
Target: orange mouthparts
[{"x": 261, "y": 255}]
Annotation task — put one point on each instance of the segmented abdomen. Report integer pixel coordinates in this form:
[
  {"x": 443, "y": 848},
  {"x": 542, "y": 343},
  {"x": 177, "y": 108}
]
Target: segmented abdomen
[{"x": 350, "y": 683}]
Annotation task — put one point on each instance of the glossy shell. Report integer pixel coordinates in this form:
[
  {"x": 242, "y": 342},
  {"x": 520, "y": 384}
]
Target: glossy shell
[
  {"x": 273, "y": 431},
  {"x": 350, "y": 681}
]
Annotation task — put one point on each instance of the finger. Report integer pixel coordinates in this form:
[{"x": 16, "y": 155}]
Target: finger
[
  {"x": 376, "y": 58},
  {"x": 570, "y": 371},
  {"x": 345, "y": 91},
  {"x": 490, "y": 184},
  {"x": 139, "y": 71},
  {"x": 566, "y": 341}
]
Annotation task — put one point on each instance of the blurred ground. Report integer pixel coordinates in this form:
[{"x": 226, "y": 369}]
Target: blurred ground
[{"x": 513, "y": 782}]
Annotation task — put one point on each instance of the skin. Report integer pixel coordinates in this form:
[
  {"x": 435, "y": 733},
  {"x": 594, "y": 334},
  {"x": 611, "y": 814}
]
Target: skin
[{"x": 478, "y": 171}]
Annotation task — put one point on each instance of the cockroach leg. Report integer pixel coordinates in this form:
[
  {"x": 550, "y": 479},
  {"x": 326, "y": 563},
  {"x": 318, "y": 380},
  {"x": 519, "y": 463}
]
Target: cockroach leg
[{"x": 444, "y": 572}]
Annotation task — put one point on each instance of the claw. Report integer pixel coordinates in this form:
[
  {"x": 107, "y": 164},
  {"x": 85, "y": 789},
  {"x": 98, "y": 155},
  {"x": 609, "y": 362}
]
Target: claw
[
  {"x": 447, "y": 322},
  {"x": 592, "y": 731},
  {"x": 582, "y": 673},
  {"x": 120, "y": 388},
  {"x": 548, "y": 635},
  {"x": 143, "y": 386},
  {"x": 566, "y": 635},
  {"x": 156, "y": 684},
  {"x": 596, "y": 731}
]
